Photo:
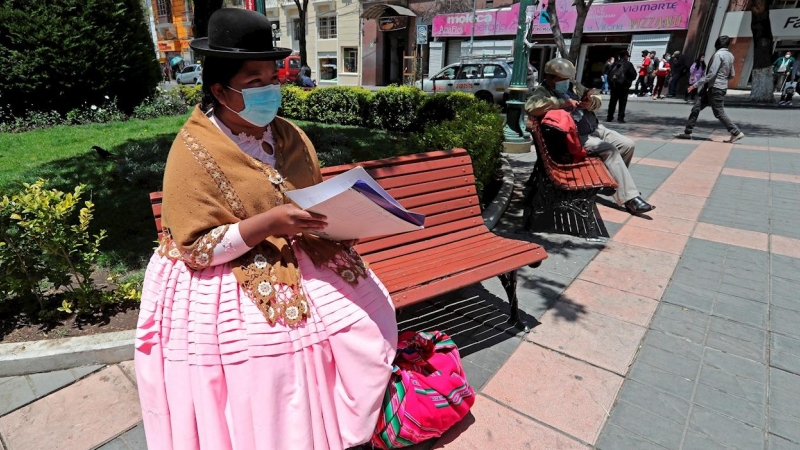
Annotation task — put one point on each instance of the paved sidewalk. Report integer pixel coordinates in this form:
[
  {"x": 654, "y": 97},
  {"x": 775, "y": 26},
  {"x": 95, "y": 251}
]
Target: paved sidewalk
[{"x": 680, "y": 332}]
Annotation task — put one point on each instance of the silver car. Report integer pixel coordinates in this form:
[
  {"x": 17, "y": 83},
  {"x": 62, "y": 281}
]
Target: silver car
[
  {"x": 488, "y": 81},
  {"x": 191, "y": 74}
]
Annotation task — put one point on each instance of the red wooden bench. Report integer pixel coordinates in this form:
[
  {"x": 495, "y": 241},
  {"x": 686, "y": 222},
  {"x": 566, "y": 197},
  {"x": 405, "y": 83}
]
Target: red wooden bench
[
  {"x": 566, "y": 187},
  {"x": 455, "y": 250}
]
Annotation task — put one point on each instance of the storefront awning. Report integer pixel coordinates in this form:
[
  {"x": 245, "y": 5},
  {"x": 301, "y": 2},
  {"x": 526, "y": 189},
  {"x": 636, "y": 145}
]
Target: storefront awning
[{"x": 384, "y": 10}]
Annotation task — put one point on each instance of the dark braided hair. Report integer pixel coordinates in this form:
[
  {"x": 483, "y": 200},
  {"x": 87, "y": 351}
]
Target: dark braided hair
[{"x": 217, "y": 70}]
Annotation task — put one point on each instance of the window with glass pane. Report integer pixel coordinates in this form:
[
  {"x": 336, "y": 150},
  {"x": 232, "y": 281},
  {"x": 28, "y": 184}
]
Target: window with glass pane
[
  {"x": 328, "y": 69},
  {"x": 785, "y": 4},
  {"x": 350, "y": 56},
  {"x": 296, "y": 33},
  {"x": 327, "y": 27},
  {"x": 164, "y": 11},
  {"x": 469, "y": 71},
  {"x": 492, "y": 71}
]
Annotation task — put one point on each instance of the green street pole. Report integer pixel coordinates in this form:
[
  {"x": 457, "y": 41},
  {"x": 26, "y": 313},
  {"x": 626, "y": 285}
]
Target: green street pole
[{"x": 516, "y": 137}]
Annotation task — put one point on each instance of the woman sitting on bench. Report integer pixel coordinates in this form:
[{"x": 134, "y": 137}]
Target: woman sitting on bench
[{"x": 254, "y": 333}]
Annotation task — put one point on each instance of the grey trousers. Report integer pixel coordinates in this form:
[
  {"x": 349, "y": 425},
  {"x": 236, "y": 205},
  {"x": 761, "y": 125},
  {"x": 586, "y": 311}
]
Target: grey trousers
[
  {"x": 716, "y": 99},
  {"x": 616, "y": 151}
]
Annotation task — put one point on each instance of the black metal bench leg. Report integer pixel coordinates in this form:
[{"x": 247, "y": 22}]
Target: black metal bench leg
[{"x": 509, "y": 281}]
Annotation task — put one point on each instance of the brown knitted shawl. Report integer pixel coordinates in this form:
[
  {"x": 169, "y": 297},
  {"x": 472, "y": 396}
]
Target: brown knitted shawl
[{"x": 209, "y": 184}]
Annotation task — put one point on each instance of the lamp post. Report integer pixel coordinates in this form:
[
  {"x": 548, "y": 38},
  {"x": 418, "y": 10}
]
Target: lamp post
[
  {"x": 517, "y": 140},
  {"x": 276, "y": 35}
]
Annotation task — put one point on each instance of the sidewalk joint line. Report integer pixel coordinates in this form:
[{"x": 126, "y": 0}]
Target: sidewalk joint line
[{"x": 545, "y": 424}]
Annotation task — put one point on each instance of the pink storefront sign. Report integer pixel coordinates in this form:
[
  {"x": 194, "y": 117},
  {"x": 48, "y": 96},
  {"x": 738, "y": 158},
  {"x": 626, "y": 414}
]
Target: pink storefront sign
[{"x": 628, "y": 17}]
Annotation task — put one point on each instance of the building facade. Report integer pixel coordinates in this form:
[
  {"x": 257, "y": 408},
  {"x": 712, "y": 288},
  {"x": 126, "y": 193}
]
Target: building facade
[
  {"x": 655, "y": 25},
  {"x": 732, "y": 18},
  {"x": 333, "y": 37},
  {"x": 173, "y": 23}
]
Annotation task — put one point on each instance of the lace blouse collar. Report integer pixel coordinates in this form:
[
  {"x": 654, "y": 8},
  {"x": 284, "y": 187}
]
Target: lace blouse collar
[{"x": 251, "y": 145}]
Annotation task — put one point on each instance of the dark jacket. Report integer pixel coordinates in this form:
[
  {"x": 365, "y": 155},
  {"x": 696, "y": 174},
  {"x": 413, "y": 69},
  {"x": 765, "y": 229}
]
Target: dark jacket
[{"x": 629, "y": 70}]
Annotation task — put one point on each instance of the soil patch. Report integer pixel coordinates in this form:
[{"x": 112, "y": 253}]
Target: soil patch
[
  {"x": 121, "y": 318},
  {"x": 19, "y": 326}
]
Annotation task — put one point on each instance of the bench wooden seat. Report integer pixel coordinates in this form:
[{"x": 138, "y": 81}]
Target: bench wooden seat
[
  {"x": 566, "y": 187},
  {"x": 455, "y": 250}
]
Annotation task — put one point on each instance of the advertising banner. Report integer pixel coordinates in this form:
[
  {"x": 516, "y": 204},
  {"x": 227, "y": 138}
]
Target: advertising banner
[{"x": 628, "y": 17}]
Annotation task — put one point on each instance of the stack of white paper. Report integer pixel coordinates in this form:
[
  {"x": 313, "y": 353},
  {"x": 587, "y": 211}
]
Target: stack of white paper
[{"x": 356, "y": 207}]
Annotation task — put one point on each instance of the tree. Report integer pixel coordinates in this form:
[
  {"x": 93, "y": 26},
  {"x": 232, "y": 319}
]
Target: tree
[
  {"x": 444, "y": 7},
  {"x": 202, "y": 12},
  {"x": 65, "y": 54},
  {"x": 302, "y": 10},
  {"x": 582, "y": 8},
  {"x": 763, "y": 87}
]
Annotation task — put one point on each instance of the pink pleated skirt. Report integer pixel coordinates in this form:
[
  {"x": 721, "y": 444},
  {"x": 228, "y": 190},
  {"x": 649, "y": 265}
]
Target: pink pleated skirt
[{"x": 213, "y": 374}]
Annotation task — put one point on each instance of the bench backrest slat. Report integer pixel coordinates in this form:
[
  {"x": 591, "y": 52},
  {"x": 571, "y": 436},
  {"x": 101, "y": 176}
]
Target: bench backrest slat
[{"x": 439, "y": 184}]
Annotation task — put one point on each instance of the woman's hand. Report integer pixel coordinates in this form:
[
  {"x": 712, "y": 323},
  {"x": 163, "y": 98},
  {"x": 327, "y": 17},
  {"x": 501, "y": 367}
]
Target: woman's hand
[
  {"x": 283, "y": 220},
  {"x": 288, "y": 220}
]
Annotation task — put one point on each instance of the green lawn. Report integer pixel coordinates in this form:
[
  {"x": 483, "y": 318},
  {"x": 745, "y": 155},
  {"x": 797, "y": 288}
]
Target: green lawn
[
  {"x": 23, "y": 153},
  {"x": 119, "y": 185}
]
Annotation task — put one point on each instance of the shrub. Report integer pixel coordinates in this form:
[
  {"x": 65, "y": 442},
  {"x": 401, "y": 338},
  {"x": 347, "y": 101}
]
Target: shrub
[
  {"x": 477, "y": 128},
  {"x": 163, "y": 103},
  {"x": 58, "y": 55},
  {"x": 339, "y": 105},
  {"x": 191, "y": 95},
  {"x": 440, "y": 107},
  {"x": 46, "y": 246},
  {"x": 395, "y": 108},
  {"x": 294, "y": 102}
]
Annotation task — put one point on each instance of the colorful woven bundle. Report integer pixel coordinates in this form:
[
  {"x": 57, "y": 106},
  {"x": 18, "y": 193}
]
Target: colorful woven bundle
[{"x": 427, "y": 394}]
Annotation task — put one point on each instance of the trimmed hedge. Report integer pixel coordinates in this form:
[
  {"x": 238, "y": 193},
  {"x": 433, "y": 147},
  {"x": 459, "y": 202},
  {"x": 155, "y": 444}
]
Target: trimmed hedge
[
  {"x": 432, "y": 122},
  {"x": 395, "y": 108},
  {"x": 67, "y": 54},
  {"x": 339, "y": 105}
]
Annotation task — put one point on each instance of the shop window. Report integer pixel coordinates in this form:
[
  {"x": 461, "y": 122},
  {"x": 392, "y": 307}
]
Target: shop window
[
  {"x": 350, "y": 57},
  {"x": 327, "y": 27},
  {"x": 328, "y": 69}
]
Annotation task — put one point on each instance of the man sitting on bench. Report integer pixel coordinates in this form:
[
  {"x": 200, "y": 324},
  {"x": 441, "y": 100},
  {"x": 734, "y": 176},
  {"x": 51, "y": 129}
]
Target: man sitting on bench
[{"x": 560, "y": 91}]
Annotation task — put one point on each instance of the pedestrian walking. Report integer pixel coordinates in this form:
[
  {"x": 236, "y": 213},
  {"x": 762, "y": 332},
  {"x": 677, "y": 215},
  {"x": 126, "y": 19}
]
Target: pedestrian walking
[
  {"x": 662, "y": 73},
  {"x": 621, "y": 76},
  {"x": 641, "y": 83},
  {"x": 713, "y": 87},
  {"x": 696, "y": 71},
  {"x": 679, "y": 70},
  {"x": 780, "y": 69},
  {"x": 606, "y": 71},
  {"x": 790, "y": 87}
]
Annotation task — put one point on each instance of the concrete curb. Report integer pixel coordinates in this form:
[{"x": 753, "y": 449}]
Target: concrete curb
[
  {"x": 495, "y": 210},
  {"x": 23, "y": 358}
]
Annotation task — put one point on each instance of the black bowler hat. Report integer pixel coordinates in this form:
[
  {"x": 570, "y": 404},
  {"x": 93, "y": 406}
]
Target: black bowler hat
[{"x": 236, "y": 33}]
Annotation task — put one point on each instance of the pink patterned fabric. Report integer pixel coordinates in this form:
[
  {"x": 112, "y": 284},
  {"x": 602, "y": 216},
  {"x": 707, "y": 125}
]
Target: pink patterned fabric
[{"x": 213, "y": 374}]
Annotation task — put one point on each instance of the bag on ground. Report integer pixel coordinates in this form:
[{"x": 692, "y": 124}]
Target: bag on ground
[{"x": 428, "y": 392}]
